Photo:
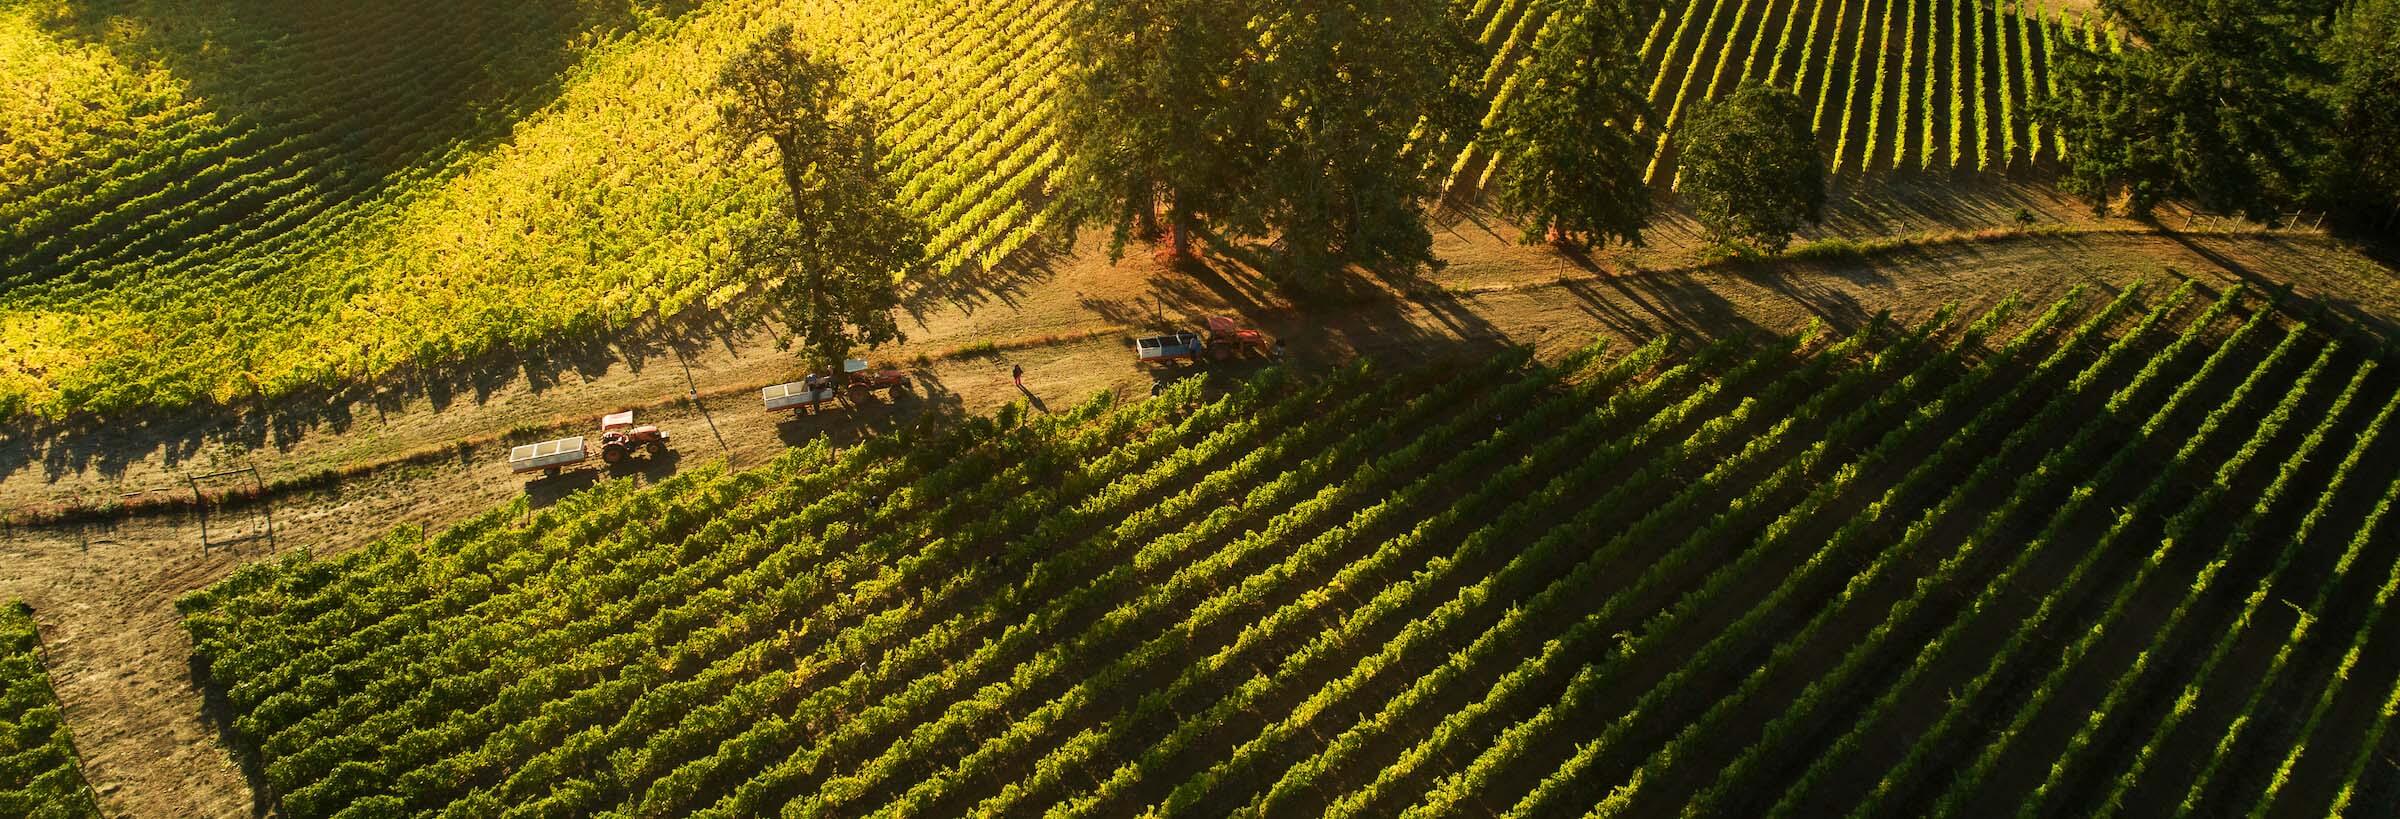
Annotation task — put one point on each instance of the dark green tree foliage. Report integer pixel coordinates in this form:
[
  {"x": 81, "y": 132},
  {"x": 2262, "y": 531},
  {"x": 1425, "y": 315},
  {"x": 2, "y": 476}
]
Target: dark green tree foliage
[
  {"x": 2362, "y": 170},
  {"x": 834, "y": 260},
  {"x": 1155, "y": 110},
  {"x": 1751, "y": 170},
  {"x": 2215, "y": 103},
  {"x": 1573, "y": 163},
  {"x": 2105, "y": 110},
  {"x": 1365, "y": 96}
]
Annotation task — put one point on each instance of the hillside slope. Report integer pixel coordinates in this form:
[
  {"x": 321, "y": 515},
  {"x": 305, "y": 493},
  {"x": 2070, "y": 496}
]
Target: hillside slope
[
  {"x": 1914, "y": 568},
  {"x": 239, "y": 200}
]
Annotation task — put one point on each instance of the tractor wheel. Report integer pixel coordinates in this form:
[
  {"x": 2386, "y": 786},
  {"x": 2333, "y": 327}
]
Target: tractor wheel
[
  {"x": 658, "y": 448},
  {"x": 613, "y": 454},
  {"x": 551, "y": 472}
]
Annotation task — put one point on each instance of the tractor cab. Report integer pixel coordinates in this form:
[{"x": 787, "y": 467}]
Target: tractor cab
[
  {"x": 619, "y": 437},
  {"x": 859, "y": 376}
]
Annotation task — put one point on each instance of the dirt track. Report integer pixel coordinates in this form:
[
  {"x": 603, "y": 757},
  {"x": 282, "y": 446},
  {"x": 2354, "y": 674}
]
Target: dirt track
[{"x": 121, "y": 662}]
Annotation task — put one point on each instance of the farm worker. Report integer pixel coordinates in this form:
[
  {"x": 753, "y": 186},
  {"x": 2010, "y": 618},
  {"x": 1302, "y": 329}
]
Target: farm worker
[
  {"x": 1017, "y": 373},
  {"x": 1279, "y": 349}
]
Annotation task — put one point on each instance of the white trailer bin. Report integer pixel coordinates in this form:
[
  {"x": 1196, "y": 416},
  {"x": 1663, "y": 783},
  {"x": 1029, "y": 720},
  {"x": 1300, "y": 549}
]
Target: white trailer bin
[
  {"x": 1169, "y": 347},
  {"x": 547, "y": 456},
  {"x": 796, "y": 396}
]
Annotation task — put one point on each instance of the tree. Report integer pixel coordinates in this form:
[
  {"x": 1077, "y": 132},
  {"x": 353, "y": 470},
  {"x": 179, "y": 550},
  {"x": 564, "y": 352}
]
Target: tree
[
  {"x": 1365, "y": 96},
  {"x": 1751, "y": 171},
  {"x": 2214, "y": 102},
  {"x": 1154, "y": 111},
  {"x": 834, "y": 259},
  {"x": 2117, "y": 148},
  {"x": 2362, "y": 170},
  {"x": 1572, "y": 161}
]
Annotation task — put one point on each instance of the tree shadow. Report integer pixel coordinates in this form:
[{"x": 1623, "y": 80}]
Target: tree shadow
[
  {"x": 217, "y": 711},
  {"x": 926, "y": 400},
  {"x": 112, "y": 444},
  {"x": 975, "y": 287},
  {"x": 541, "y": 492},
  {"x": 1917, "y": 202},
  {"x": 2348, "y": 315}
]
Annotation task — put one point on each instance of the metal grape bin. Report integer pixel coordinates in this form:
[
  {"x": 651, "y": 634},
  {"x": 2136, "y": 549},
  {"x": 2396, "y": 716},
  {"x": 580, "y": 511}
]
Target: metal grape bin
[{"x": 546, "y": 456}]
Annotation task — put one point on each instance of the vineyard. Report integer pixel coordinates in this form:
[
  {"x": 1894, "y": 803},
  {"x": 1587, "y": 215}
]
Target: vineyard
[
  {"x": 2120, "y": 551},
  {"x": 1926, "y": 84},
  {"x": 240, "y": 200},
  {"x": 38, "y": 774},
  {"x": 366, "y": 194}
]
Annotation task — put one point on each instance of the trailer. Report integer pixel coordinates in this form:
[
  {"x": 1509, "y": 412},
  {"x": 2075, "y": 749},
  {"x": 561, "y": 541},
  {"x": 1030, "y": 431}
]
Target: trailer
[
  {"x": 1169, "y": 347},
  {"x": 800, "y": 396},
  {"x": 620, "y": 438},
  {"x": 547, "y": 457},
  {"x": 811, "y": 394}
]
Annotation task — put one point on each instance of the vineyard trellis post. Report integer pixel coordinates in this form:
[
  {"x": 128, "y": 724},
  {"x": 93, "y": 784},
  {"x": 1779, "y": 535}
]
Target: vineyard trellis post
[
  {"x": 694, "y": 384},
  {"x": 83, "y": 534},
  {"x": 200, "y": 502}
]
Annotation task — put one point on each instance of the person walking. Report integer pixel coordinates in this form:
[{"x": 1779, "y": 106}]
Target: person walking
[{"x": 1017, "y": 373}]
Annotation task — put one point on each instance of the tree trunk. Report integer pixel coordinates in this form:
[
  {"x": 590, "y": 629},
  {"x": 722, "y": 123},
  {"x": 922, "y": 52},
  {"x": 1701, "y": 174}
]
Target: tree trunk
[
  {"x": 1179, "y": 236},
  {"x": 1143, "y": 199},
  {"x": 787, "y": 151}
]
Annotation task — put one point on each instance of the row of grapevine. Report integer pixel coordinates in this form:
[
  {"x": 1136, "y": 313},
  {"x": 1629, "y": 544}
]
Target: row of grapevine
[
  {"x": 1759, "y": 578},
  {"x": 40, "y": 776},
  {"x": 391, "y": 197},
  {"x": 394, "y": 198},
  {"x": 1895, "y": 84},
  {"x": 1709, "y": 725},
  {"x": 2188, "y": 699},
  {"x": 2051, "y": 532}
]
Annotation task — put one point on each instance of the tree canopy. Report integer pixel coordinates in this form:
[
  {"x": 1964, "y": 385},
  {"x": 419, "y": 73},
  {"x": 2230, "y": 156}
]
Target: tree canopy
[
  {"x": 1751, "y": 169},
  {"x": 1155, "y": 110},
  {"x": 833, "y": 260},
  {"x": 2363, "y": 168},
  {"x": 1366, "y": 95},
  {"x": 2217, "y": 100},
  {"x": 1313, "y": 123},
  {"x": 1573, "y": 161}
]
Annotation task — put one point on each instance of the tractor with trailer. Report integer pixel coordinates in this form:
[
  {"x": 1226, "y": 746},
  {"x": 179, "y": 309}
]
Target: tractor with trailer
[
  {"x": 812, "y": 394},
  {"x": 619, "y": 439},
  {"x": 1225, "y": 340}
]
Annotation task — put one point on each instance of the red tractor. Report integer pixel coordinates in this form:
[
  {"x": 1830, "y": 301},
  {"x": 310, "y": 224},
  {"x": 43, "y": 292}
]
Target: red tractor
[
  {"x": 858, "y": 378},
  {"x": 619, "y": 438},
  {"x": 1228, "y": 339}
]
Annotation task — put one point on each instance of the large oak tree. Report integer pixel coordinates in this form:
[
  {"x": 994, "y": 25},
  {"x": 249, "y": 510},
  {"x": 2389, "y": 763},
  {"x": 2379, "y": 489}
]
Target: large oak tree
[
  {"x": 2214, "y": 100},
  {"x": 1313, "y": 123},
  {"x": 1571, "y": 162},
  {"x": 833, "y": 259},
  {"x": 1157, "y": 113},
  {"x": 1367, "y": 96},
  {"x": 1751, "y": 169}
]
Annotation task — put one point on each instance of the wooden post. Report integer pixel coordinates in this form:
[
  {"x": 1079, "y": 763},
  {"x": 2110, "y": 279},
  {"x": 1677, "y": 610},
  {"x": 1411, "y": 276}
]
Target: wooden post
[
  {"x": 200, "y": 502},
  {"x": 266, "y": 507}
]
